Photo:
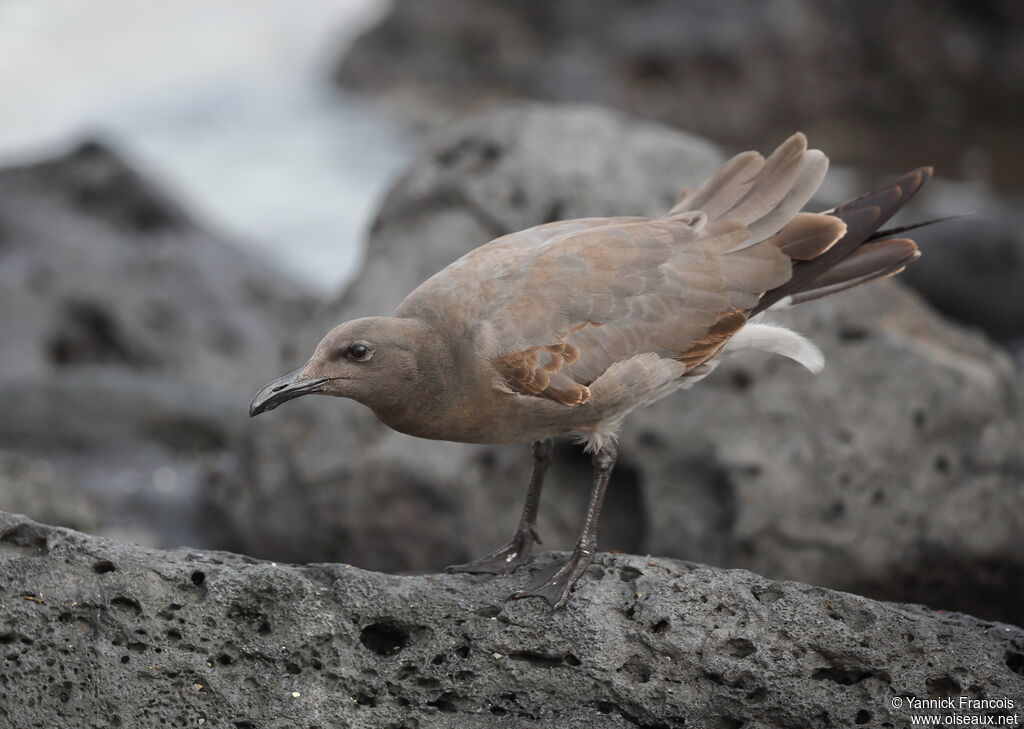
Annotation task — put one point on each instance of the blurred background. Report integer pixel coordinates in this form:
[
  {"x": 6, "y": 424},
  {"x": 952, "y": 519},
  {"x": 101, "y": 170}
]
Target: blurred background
[{"x": 192, "y": 192}]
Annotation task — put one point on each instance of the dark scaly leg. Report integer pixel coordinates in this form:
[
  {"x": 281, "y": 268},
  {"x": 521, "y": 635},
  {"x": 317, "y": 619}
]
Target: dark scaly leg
[
  {"x": 556, "y": 588},
  {"x": 513, "y": 554}
]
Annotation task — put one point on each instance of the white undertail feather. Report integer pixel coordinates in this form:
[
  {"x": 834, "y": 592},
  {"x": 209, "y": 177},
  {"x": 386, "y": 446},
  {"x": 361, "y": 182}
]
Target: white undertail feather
[{"x": 778, "y": 339}]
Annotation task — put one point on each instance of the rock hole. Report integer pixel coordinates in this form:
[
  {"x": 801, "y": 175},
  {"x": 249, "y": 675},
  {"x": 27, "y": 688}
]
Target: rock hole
[
  {"x": 863, "y": 717},
  {"x": 385, "y": 639},
  {"x": 741, "y": 380},
  {"x": 843, "y": 677},
  {"x": 25, "y": 537},
  {"x": 942, "y": 687},
  {"x": 731, "y": 722},
  {"x": 629, "y": 574},
  {"x": 739, "y": 647},
  {"x": 462, "y": 651},
  {"x": 852, "y": 333},
  {"x": 660, "y": 627},
  {"x": 292, "y": 668},
  {"x": 445, "y": 703},
  {"x": 636, "y": 668},
  {"x": 103, "y": 567},
  {"x": 224, "y": 659},
  {"x": 757, "y": 695},
  {"x": 544, "y": 660},
  {"x": 767, "y": 595},
  {"x": 1015, "y": 662},
  {"x": 198, "y": 578},
  {"x": 126, "y": 603}
]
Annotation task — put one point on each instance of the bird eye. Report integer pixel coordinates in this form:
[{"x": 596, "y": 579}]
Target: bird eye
[{"x": 360, "y": 351}]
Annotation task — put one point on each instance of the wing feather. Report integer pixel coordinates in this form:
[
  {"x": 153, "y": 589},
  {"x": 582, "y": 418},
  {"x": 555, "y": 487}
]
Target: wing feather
[{"x": 555, "y": 306}]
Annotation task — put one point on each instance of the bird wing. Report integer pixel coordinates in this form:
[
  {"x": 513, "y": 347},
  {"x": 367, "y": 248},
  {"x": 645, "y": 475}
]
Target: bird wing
[{"x": 555, "y": 306}]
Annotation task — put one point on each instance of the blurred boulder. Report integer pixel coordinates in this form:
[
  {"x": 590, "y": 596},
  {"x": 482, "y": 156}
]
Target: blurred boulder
[
  {"x": 132, "y": 339},
  {"x": 895, "y": 473},
  {"x": 98, "y": 267},
  {"x": 973, "y": 268},
  {"x": 878, "y": 84},
  {"x": 104, "y": 633},
  {"x": 29, "y": 486}
]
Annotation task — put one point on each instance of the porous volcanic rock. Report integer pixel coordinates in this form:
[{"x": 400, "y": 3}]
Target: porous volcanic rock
[
  {"x": 895, "y": 473},
  {"x": 97, "y": 633}
]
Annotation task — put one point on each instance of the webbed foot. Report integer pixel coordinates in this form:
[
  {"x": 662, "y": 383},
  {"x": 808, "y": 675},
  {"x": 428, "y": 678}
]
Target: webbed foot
[
  {"x": 558, "y": 586},
  {"x": 504, "y": 560}
]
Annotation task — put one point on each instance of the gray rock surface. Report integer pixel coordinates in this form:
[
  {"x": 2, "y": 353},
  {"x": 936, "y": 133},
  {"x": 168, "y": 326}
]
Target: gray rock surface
[
  {"x": 96, "y": 633},
  {"x": 895, "y": 473}
]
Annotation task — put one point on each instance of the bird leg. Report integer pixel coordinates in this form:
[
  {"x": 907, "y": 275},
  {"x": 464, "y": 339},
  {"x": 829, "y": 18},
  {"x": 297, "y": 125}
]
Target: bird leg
[
  {"x": 507, "y": 558},
  {"x": 556, "y": 588}
]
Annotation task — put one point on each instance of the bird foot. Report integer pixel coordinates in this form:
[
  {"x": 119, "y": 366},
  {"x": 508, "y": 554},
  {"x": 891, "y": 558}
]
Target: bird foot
[
  {"x": 504, "y": 560},
  {"x": 558, "y": 586}
]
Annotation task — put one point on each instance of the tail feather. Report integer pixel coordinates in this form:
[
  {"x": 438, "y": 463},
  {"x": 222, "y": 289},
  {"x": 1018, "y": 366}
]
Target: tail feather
[
  {"x": 863, "y": 217},
  {"x": 870, "y": 262},
  {"x": 890, "y": 232},
  {"x": 762, "y": 194}
]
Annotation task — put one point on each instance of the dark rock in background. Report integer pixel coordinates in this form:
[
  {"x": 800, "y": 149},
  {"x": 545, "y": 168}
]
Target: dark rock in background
[
  {"x": 973, "y": 270},
  {"x": 877, "y": 84},
  {"x": 132, "y": 340},
  {"x": 99, "y": 268},
  {"x": 98, "y": 633},
  {"x": 894, "y": 473}
]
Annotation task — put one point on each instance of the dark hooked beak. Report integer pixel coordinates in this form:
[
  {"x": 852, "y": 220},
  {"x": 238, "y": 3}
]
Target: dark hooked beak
[{"x": 283, "y": 389}]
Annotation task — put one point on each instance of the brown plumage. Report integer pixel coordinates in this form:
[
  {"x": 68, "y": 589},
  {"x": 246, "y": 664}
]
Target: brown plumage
[{"x": 567, "y": 327}]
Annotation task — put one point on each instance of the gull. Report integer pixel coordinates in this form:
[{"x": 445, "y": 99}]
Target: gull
[{"x": 567, "y": 327}]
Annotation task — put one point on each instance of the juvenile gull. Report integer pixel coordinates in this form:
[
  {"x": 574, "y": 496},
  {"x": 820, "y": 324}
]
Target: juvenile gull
[{"x": 568, "y": 326}]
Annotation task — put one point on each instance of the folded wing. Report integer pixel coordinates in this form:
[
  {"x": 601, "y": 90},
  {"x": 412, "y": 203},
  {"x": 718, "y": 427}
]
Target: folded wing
[{"x": 555, "y": 306}]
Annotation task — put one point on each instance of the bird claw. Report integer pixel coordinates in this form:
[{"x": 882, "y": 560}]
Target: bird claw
[
  {"x": 504, "y": 560},
  {"x": 557, "y": 587}
]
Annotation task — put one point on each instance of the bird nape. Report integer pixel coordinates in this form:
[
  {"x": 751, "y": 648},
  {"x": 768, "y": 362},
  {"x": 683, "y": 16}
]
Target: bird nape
[{"x": 566, "y": 327}]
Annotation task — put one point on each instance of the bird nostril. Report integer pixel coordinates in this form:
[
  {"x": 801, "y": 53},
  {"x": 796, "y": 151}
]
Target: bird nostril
[{"x": 278, "y": 388}]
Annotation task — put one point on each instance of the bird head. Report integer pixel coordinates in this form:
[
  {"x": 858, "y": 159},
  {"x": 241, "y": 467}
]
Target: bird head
[{"x": 372, "y": 360}]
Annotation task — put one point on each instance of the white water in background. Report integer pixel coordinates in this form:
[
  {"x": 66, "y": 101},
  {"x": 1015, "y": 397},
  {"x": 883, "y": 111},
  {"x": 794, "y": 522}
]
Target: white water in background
[{"x": 226, "y": 102}]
